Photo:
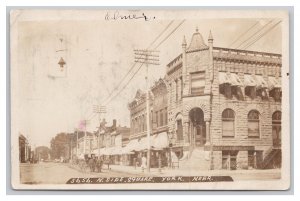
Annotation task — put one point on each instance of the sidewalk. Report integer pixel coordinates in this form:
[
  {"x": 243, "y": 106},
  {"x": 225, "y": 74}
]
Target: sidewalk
[
  {"x": 138, "y": 170},
  {"x": 254, "y": 174}
]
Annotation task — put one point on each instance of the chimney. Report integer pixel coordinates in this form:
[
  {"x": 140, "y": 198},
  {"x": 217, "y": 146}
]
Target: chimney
[{"x": 114, "y": 123}]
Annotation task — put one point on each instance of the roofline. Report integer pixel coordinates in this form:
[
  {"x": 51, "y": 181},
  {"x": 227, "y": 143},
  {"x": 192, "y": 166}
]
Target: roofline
[{"x": 247, "y": 51}]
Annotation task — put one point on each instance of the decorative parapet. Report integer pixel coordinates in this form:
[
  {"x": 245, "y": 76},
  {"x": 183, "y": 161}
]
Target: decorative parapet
[{"x": 227, "y": 54}]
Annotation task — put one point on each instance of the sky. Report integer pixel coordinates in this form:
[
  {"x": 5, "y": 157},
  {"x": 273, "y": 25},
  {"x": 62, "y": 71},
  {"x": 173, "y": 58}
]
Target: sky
[{"x": 98, "y": 53}]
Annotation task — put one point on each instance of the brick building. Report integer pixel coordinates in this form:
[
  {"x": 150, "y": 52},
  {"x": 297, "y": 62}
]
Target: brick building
[
  {"x": 159, "y": 141},
  {"x": 224, "y": 106}
]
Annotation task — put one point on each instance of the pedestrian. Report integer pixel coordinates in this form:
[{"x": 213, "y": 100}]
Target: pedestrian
[
  {"x": 92, "y": 164},
  {"x": 99, "y": 164},
  {"x": 144, "y": 163}
]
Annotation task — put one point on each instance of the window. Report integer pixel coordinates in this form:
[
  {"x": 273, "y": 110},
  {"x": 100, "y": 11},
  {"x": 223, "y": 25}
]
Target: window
[
  {"x": 170, "y": 87},
  {"x": 156, "y": 118},
  {"x": 151, "y": 119},
  {"x": 237, "y": 91},
  {"x": 228, "y": 123},
  {"x": 253, "y": 124},
  {"x": 262, "y": 92},
  {"x": 276, "y": 128},
  {"x": 166, "y": 116},
  {"x": 179, "y": 130},
  {"x": 276, "y": 94},
  {"x": 143, "y": 123},
  {"x": 250, "y": 91},
  {"x": 136, "y": 125},
  {"x": 176, "y": 89},
  {"x": 161, "y": 118},
  {"x": 197, "y": 83},
  {"x": 227, "y": 90},
  {"x": 229, "y": 160},
  {"x": 181, "y": 87}
]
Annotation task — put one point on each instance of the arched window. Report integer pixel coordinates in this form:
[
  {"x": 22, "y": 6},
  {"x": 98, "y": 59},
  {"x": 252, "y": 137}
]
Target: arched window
[
  {"x": 228, "y": 123},
  {"x": 179, "y": 127},
  {"x": 276, "y": 128},
  {"x": 253, "y": 124}
]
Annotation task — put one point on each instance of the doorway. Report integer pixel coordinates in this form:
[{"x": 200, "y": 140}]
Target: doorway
[{"x": 197, "y": 127}]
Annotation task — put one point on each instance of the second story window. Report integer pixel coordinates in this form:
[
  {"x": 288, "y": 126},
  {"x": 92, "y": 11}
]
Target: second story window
[
  {"x": 161, "y": 118},
  {"x": 156, "y": 117},
  {"x": 276, "y": 94},
  {"x": 250, "y": 91},
  {"x": 166, "y": 116},
  {"x": 253, "y": 124},
  {"x": 176, "y": 89},
  {"x": 181, "y": 87},
  {"x": 197, "y": 83}
]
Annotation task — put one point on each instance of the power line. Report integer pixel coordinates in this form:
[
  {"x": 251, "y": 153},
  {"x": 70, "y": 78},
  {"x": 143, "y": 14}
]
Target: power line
[
  {"x": 142, "y": 63},
  {"x": 260, "y": 36},
  {"x": 131, "y": 69},
  {"x": 243, "y": 34},
  {"x": 170, "y": 34},
  {"x": 253, "y": 35}
]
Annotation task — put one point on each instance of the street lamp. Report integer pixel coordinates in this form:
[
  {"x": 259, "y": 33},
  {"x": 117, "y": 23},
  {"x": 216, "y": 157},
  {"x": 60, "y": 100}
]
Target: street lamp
[{"x": 61, "y": 63}]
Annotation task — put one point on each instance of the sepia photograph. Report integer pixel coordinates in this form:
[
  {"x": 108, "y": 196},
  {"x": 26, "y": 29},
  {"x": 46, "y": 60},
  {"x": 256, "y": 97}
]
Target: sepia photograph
[{"x": 150, "y": 99}]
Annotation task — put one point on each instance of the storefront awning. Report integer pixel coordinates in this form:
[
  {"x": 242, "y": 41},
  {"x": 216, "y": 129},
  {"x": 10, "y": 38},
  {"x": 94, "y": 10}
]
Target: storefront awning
[
  {"x": 223, "y": 78},
  {"x": 229, "y": 78},
  {"x": 131, "y": 146},
  {"x": 255, "y": 81},
  {"x": 161, "y": 141},
  {"x": 260, "y": 82},
  {"x": 249, "y": 80},
  {"x": 143, "y": 143},
  {"x": 274, "y": 82}
]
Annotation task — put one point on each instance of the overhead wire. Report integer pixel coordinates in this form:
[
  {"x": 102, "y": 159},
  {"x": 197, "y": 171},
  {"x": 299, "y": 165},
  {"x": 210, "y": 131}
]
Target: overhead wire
[
  {"x": 263, "y": 34},
  {"x": 253, "y": 35},
  {"x": 108, "y": 100}
]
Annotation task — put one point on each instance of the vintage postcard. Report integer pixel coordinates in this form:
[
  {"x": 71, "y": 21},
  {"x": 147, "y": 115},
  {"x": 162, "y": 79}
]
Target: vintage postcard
[{"x": 150, "y": 99}]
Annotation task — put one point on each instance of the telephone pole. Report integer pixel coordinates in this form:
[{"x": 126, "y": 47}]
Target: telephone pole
[
  {"x": 99, "y": 110},
  {"x": 85, "y": 136},
  {"x": 147, "y": 57}
]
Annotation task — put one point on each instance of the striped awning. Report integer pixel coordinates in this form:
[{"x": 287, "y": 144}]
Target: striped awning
[
  {"x": 260, "y": 82},
  {"x": 229, "y": 78},
  {"x": 249, "y": 80},
  {"x": 274, "y": 82}
]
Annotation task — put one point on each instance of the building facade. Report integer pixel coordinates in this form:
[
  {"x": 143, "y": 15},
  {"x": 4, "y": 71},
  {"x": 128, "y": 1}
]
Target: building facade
[
  {"x": 224, "y": 106},
  {"x": 24, "y": 149},
  {"x": 159, "y": 142}
]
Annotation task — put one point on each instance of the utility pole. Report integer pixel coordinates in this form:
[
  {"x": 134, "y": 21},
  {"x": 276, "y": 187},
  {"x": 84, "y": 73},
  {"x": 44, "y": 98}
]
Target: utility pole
[
  {"x": 84, "y": 142},
  {"x": 100, "y": 110},
  {"x": 76, "y": 142},
  {"x": 147, "y": 57}
]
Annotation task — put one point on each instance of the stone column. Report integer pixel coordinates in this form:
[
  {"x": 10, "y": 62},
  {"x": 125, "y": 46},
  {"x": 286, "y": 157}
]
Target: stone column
[
  {"x": 187, "y": 132},
  {"x": 207, "y": 128}
]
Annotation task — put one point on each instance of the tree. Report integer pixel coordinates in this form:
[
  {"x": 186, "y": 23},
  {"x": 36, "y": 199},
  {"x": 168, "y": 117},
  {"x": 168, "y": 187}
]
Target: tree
[
  {"x": 42, "y": 152},
  {"x": 61, "y": 145}
]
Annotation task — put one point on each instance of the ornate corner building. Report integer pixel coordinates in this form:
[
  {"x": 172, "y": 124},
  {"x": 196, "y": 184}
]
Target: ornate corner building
[{"x": 224, "y": 107}]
